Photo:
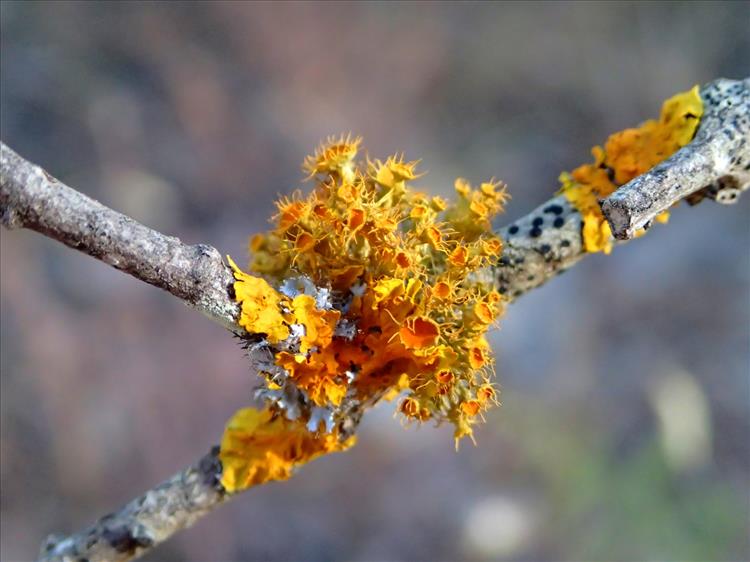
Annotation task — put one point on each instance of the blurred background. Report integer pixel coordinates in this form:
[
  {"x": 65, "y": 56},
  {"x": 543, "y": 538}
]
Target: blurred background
[{"x": 625, "y": 427}]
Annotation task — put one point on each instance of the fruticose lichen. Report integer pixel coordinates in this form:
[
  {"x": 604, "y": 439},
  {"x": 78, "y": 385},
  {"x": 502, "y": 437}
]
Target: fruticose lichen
[
  {"x": 366, "y": 289},
  {"x": 625, "y": 155},
  {"x": 376, "y": 298}
]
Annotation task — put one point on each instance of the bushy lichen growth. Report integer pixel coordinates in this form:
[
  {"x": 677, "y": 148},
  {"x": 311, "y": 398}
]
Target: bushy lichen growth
[
  {"x": 400, "y": 263},
  {"x": 626, "y": 155},
  {"x": 369, "y": 290},
  {"x": 403, "y": 313}
]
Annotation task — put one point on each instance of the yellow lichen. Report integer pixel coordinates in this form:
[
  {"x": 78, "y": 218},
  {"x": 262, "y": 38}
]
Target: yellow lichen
[
  {"x": 319, "y": 324},
  {"x": 403, "y": 263},
  {"x": 404, "y": 266},
  {"x": 333, "y": 156},
  {"x": 626, "y": 155},
  {"x": 260, "y": 305},
  {"x": 259, "y": 446},
  {"x": 419, "y": 333}
]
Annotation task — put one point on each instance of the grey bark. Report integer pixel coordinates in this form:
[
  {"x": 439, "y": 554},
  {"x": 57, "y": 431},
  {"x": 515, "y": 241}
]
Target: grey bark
[
  {"x": 716, "y": 164},
  {"x": 31, "y": 198},
  {"x": 538, "y": 247},
  {"x": 146, "y": 521}
]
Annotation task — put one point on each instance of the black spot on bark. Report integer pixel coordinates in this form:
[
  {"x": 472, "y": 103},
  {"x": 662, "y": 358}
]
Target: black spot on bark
[
  {"x": 210, "y": 469},
  {"x": 121, "y": 539}
]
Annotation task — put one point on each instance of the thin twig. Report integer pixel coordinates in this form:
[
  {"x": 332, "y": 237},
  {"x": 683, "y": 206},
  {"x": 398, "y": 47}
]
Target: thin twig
[
  {"x": 146, "y": 521},
  {"x": 31, "y": 198},
  {"x": 538, "y": 247},
  {"x": 716, "y": 164}
]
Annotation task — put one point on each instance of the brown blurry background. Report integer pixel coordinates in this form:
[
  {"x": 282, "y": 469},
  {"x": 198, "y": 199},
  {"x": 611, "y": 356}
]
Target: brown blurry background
[{"x": 625, "y": 428}]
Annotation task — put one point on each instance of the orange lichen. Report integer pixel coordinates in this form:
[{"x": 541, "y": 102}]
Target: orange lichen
[
  {"x": 477, "y": 359},
  {"x": 402, "y": 263},
  {"x": 626, "y": 155},
  {"x": 319, "y": 324},
  {"x": 419, "y": 333},
  {"x": 335, "y": 155},
  {"x": 485, "y": 394},
  {"x": 484, "y": 313},
  {"x": 471, "y": 407},
  {"x": 409, "y": 407},
  {"x": 442, "y": 290},
  {"x": 259, "y": 446},
  {"x": 444, "y": 377}
]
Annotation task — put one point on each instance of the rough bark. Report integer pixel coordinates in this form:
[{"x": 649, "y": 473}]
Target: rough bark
[
  {"x": 715, "y": 165},
  {"x": 146, "y": 521},
  {"x": 32, "y": 198}
]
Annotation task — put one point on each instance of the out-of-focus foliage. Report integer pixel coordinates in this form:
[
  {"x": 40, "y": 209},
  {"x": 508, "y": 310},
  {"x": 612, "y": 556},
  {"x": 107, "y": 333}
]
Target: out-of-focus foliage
[{"x": 193, "y": 118}]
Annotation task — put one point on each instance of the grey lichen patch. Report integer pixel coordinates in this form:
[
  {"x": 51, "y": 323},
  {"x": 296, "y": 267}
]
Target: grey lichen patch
[
  {"x": 715, "y": 165},
  {"x": 283, "y": 392},
  {"x": 537, "y": 247},
  {"x": 124, "y": 541}
]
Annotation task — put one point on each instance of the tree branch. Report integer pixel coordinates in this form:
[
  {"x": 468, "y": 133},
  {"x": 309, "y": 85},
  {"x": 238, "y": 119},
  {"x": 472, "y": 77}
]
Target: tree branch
[
  {"x": 146, "y": 521},
  {"x": 538, "y": 247},
  {"x": 31, "y": 198},
  {"x": 716, "y": 164}
]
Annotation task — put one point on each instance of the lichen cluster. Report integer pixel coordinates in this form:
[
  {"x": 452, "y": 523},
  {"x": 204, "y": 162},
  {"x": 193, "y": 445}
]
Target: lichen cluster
[
  {"x": 367, "y": 289},
  {"x": 626, "y": 155},
  {"x": 376, "y": 298}
]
